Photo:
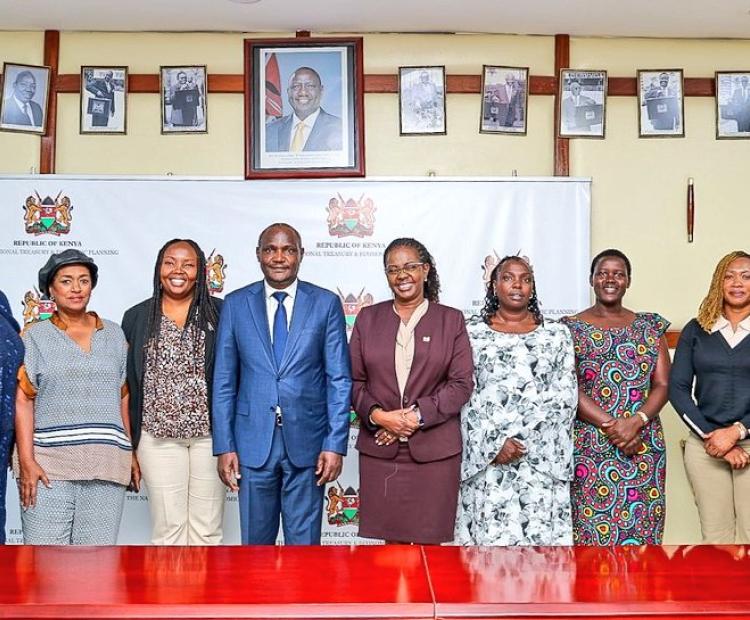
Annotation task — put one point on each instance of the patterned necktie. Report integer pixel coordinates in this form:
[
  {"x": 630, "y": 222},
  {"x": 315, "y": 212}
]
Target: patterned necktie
[
  {"x": 280, "y": 328},
  {"x": 27, "y": 110},
  {"x": 298, "y": 141}
]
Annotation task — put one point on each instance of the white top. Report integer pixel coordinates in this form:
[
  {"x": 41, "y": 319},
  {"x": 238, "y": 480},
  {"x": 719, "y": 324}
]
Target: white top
[
  {"x": 732, "y": 337},
  {"x": 272, "y": 304}
]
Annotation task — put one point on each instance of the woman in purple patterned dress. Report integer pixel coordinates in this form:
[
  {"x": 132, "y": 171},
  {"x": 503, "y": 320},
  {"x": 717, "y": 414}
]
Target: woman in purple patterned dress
[{"x": 622, "y": 361}]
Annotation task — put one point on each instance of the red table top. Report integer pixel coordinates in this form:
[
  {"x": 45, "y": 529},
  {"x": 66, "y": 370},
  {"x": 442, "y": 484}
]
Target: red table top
[
  {"x": 599, "y": 581},
  {"x": 217, "y": 582},
  {"x": 373, "y": 582}
]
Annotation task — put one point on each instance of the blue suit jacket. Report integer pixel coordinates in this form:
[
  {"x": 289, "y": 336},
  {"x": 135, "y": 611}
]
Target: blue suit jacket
[
  {"x": 312, "y": 385},
  {"x": 324, "y": 136}
]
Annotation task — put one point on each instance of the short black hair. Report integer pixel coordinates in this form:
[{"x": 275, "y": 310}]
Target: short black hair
[
  {"x": 611, "y": 253},
  {"x": 284, "y": 225}
]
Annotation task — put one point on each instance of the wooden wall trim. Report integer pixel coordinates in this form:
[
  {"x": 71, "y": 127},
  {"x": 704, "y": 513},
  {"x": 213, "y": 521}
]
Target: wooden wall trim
[
  {"x": 543, "y": 85},
  {"x": 49, "y": 139},
  {"x": 561, "y": 145},
  {"x": 673, "y": 335}
]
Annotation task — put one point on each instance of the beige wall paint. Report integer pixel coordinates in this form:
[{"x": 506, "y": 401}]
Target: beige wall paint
[
  {"x": 20, "y": 152},
  {"x": 639, "y": 185},
  {"x": 639, "y": 192}
]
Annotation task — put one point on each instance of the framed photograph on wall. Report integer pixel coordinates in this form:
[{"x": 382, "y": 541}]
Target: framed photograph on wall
[
  {"x": 732, "y": 104},
  {"x": 24, "y": 100},
  {"x": 304, "y": 102},
  {"x": 583, "y": 104},
  {"x": 421, "y": 100},
  {"x": 104, "y": 100},
  {"x": 661, "y": 103},
  {"x": 183, "y": 99},
  {"x": 505, "y": 96}
]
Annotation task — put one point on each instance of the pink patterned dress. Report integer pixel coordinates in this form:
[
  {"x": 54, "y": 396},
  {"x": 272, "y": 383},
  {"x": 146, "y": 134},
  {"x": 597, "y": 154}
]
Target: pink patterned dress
[{"x": 618, "y": 499}]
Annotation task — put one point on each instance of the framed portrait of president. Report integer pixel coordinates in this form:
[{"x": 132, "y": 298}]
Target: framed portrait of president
[
  {"x": 661, "y": 99},
  {"x": 304, "y": 102},
  {"x": 23, "y": 105},
  {"x": 583, "y": 104}
]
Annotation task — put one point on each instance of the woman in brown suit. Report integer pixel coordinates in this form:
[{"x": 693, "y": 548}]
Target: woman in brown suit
[{"x": 412, "y": 372}]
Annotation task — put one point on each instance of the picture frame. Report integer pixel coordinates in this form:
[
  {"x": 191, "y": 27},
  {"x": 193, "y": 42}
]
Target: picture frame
[
  {"x": 184, "y": 108},
  {"x": 25, "y": 98},
  {"x": 732, "y": 105},
  {"x": 104, "y": 96},
  {"x": 661, "y": 103},
  {"x": 582, "y": 104},
  {"x": 288, "y": 84},
  {"x": 505, "y": 100},
  {"x": 421, "y": 101}
]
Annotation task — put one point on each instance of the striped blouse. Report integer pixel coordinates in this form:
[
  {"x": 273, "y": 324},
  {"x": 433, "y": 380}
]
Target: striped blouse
[{"x": 78, "y": 428}]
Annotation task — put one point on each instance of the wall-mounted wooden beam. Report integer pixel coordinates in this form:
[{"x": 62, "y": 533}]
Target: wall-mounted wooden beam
[
  {"x": 562, "y": 145},
  {"x": 49, "y": 139}
]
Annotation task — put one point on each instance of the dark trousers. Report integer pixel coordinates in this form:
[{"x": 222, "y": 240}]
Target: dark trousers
[{"x": 280, "y": 489}]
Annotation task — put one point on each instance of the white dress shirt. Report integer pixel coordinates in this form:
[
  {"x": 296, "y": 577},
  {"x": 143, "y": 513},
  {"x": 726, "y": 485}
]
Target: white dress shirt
[
  {"x": 732, "y": 337},
  {"x": 272, "y": 304},
  {"x": 308, "y": 122}
]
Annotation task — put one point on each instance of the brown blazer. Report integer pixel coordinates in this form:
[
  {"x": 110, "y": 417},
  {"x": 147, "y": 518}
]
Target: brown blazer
[{"x": 440, "y": 382}]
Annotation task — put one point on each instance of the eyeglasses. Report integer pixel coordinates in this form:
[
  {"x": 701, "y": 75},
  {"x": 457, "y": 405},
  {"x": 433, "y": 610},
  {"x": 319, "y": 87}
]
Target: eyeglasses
[{"x": 410, "y": 268}]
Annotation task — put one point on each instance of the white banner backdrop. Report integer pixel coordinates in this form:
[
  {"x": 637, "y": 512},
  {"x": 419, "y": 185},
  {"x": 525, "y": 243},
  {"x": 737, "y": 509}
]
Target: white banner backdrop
[{"x": 466, "y": 224}]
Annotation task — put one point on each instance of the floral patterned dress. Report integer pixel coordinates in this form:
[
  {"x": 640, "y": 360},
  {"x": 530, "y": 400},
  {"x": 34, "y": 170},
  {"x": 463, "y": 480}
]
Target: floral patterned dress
[
  {"x": 618, "y": 499},
  {"x": 525, "y": 388}
]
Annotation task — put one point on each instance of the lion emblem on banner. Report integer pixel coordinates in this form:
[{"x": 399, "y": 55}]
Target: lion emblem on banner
[
  {"x": 352, "y": 305},
  {"x": 36, "y": 308},
  {"x": 216, "y": 273},
  {"x": 47, "y": 216},
  {"x": 342, "y": 506},
  {"x": 351, "y": 218}
]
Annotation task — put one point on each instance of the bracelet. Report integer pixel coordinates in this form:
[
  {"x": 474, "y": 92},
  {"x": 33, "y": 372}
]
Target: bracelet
[
  {"x": 742, "y": 429},
  {"x": 643, "y": 417}
]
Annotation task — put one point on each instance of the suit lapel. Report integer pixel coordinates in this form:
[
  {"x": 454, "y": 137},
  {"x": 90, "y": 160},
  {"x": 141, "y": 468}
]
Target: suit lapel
[
  {"x": 256, "y": 301},
  {"x": 300, "y": 311}
]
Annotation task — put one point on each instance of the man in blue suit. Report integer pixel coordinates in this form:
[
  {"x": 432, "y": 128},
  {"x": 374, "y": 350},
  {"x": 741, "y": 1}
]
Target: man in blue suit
[
  {"x": 310, "y": 127},
  {"x": 282, "y": 394}
]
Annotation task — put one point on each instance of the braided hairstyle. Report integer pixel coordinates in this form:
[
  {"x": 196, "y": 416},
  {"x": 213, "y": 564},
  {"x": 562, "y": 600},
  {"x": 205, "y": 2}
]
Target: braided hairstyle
[
  {"x": 432, "y": 281},
  {"x": 492, "y": 302},
  {"x": 202, "y": 313},
  {"x": 713, "y": 303}
]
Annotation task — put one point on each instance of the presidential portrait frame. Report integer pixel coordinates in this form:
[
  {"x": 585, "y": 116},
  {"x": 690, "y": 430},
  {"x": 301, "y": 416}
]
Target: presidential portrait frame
[
  {"x": 660, "y": 105},
  {"x": 184, "y": 105},
  {"x": 288, "y": 82},
  {"x": 732, "y": 105},
  {"x": 582, "y": 114},
  {"x": 422, "y": 113},
  {"x": 503, "y": 101},
  {"x": 99, "y": 107},
  {"x": 38, "y": 104}
]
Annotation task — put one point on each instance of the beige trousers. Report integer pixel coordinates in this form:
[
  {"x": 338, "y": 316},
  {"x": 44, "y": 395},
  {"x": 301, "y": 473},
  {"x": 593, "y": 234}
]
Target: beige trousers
[
  {"x": 721, "y": 494},
  {"x": 185, "y": 494}
]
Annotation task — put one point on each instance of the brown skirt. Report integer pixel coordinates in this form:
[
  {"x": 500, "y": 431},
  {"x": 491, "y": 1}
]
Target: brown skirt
[{"x": 405, "y": 501}]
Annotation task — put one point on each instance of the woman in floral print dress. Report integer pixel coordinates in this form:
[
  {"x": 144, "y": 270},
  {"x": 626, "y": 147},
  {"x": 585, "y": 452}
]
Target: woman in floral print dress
[
  {"x": 620, "y": 458},
  {"x": 517, "y": 427}
]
